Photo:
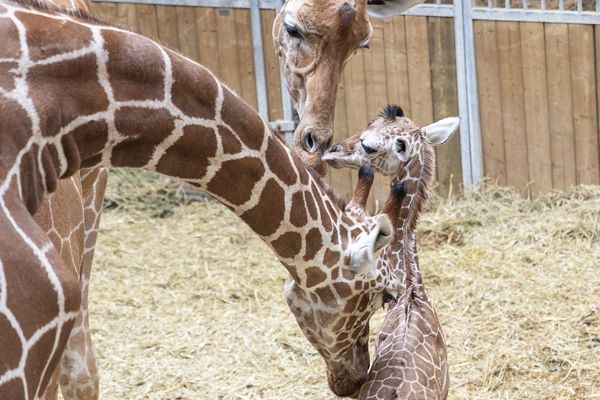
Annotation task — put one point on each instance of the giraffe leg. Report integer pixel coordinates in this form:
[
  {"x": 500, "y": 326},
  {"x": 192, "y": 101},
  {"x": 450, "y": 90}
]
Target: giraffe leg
[
  {"x": 79, "y": 378},
  {"x": 39, "y": 301},
  {"x": 61, "y": 216}
]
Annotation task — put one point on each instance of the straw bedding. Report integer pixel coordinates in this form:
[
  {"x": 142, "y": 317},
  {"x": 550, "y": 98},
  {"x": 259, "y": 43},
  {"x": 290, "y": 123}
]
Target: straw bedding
[{"x": 187, "y": 304}]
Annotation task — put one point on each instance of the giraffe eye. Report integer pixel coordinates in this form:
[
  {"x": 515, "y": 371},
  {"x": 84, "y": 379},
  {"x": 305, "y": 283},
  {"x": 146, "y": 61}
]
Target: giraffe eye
[
  {"x": 400, "y": 145},
  {"x": 293, "y": 31},
  {"x": 387, "y": 298},
  {"x": 310, "y": 143}
]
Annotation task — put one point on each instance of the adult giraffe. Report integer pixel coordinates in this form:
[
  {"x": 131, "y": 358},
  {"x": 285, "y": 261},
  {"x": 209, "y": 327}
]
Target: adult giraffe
[
  {"x": 75, "y": 93},
  {"x": 73, "y": 226},
  {"x": 411, "y": 360},
  {"x": 314, "y": 41}
]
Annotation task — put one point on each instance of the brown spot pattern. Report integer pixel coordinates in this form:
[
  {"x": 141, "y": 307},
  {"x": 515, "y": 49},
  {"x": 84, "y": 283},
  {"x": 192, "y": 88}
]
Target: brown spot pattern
[
  {"x": 267, "y": 215},
  {"x": 278, "y": 161},
  {"x": 44, "y": 40},
  {"x": 314, "y": 276},
  {"x": 145, "y": 129},
  {"x": 326, "y": 296},
  {"x": 193, "y": 93},
  {"x": 135, "y": 67},
  {"x": 298, "y": 211},
  {"x": 189, "y": 156},
  {"x": 330, "y": 259},
  {"x": 77, "y": 83},
  {"x": 242, "y": 175},
  {"x": 313, "y": 244},
  {"x": 251, "y": 127},
  {"x": 288, "y": 244},
  {"x": 231, "y": 144},
  {"x": 91, "y": 138},
  {"x": 343, "y": 289}
]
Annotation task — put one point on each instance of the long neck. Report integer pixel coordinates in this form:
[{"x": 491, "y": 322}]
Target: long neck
[
  {"x": 416, "y": 175},
  {"x": 123, "y": 100}
]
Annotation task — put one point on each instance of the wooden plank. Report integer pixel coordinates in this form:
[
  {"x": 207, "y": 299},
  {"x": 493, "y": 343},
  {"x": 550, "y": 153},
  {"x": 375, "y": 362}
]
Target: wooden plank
[
  {"x": 513, "y": 104},
  {"x": 186, "y": 31},
  {"x": 208, "y": 39},
  {"x": 341, "y": 179},
  {"x": 356, "y": 101},
  {"x": 536, "y": 106},
  {"x": 228, "y": 53},
  {"x": 583, "y": 79},
  {"x": 490, "y": 102},
  {"x": 376, "y": 95},
  {"x": 445, "y": 101},
  {"x": 396, "y": 62},
  {"x": 271, "y": 66},
  {"x": 560, "y": 106},
  {"x": 597, "y": 62},
  {"x": 107, "y": 11},
  {"x": 419, "y": 73},
  {"x": 167, "y": 26},
  {"x": 126, "y": 16},
  {"x": 246, "y": 56},
  {"x": 146, "y": 16}
]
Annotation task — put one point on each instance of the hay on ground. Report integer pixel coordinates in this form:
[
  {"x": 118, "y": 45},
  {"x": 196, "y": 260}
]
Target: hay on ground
[{"x": 190, "y": 305}]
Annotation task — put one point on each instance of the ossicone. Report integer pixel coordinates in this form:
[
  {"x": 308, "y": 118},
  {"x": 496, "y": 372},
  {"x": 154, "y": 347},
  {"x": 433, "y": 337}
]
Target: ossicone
[{"x": 347, "y": 14}]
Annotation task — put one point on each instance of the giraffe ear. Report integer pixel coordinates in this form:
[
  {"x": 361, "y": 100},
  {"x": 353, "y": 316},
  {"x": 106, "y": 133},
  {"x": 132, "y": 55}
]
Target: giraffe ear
[{"x": 439, "y": 132}]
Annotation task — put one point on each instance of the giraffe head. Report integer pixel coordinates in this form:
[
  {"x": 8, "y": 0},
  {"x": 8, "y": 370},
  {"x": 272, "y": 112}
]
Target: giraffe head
[
  {"x": 314, "y": 40},
  {"x": 389, "y": 142},
  {"x": 333, "y": 305}
]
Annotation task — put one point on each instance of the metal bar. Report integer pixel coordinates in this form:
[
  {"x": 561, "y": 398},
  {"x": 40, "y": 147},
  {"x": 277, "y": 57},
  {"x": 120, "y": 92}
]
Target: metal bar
[
  {"x": 580, "y": 5},
  {"x": 259, "y": 61},
  {"x": 597, "y": 5},
  {"x": 543, "y": 4},
  {"x": 525, "y": 4},
  {"x": 558, "y": 17},
  {"x": 473, "y": 95},
  {"x": 463, "y": 107},
  {"x": 507, "y": 4},
  {"x": 430, "y": 10},
  {"x": 286, "y": 100},
  {"x": 263, "y": 4},
  {"x": 490, "y": 4},
  {"x": 561, "y": 5}
]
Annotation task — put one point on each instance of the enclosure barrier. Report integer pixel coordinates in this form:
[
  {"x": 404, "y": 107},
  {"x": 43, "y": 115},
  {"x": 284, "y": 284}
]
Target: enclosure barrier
[{"x": 471, "y": 57}]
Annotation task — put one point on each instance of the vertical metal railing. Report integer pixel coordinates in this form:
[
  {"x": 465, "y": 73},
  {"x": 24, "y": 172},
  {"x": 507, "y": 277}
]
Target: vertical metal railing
[
  {"x": 259, "y": 60},
  {"x": 468, "y": 99}
]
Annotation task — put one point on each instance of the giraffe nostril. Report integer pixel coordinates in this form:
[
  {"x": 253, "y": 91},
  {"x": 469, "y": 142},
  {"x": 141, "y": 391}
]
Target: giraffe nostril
[{"x": 335, "y": 148}]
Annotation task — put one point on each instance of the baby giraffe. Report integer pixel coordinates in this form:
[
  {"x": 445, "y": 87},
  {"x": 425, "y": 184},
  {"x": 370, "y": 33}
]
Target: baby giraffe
[{"x": 411, "y": 360}]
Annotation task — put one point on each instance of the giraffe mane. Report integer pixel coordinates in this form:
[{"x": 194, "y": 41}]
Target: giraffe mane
[
  {"x": 391, "y": 112},
  {"x": 422, "y": 194}
]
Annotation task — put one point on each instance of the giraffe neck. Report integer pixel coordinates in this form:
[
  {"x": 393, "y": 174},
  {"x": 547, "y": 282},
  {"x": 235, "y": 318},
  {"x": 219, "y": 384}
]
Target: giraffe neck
[
  {"x": 114, "y": 98},
  {"x": 416, "y": 175}
]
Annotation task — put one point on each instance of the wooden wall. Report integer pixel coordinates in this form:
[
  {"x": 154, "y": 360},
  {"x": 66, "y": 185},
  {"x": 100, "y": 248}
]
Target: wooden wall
[
  {"x": 220, "y": 39},
  {"x": 538, "y": 103},
  {"x": 537, "y": 86},
  {"x": 410, "y": 62}
]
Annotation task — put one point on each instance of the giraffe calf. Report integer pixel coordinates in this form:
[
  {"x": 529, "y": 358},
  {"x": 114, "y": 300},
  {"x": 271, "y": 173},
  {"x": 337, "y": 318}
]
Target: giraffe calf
[{"x": 411, "y": 359}]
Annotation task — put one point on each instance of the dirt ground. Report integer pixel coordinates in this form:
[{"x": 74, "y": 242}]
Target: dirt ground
[{"x": 187, "y": 304}]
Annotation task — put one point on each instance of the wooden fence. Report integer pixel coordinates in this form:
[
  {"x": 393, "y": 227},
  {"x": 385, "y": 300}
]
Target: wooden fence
[
  {"x": 538, "y": 103},
  {"x": 538, "y": 92}
]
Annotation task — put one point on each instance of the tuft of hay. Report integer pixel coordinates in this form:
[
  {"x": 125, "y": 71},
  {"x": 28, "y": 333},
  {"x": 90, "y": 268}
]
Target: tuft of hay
[
  {"x": 191, "y": 306},
  {"x": 139, "y": 190}
]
